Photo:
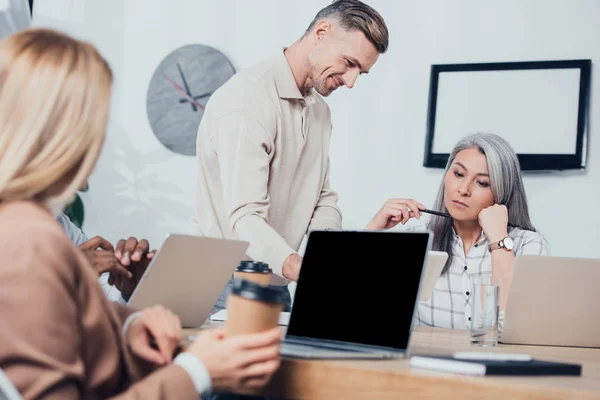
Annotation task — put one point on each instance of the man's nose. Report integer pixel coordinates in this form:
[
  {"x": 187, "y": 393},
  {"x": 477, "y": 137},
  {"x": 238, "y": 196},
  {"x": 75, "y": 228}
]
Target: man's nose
[{"x": 350, "y": 78}]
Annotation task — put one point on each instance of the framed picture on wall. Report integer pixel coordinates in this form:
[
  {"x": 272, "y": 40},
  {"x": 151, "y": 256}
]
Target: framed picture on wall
[{"x": 539, "y": 107}]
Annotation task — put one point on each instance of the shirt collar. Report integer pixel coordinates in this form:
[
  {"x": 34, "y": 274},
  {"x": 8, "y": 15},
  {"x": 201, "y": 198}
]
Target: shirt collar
[
  {"x": 482, "y": 237},
  {"x": 284, "y": 78}
]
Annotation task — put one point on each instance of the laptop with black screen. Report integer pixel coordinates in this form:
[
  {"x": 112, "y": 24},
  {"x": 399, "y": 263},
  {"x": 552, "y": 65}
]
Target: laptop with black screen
[{"x": 356, "y": 295}]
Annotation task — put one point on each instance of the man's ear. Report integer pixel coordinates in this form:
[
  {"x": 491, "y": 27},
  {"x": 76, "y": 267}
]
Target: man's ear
[{"x": 321, "y": 29}]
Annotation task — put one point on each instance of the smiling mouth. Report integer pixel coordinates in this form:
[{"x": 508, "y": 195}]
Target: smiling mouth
[
  {"x": 336, "y": 83},
  {"x": 459, "y": 203}
]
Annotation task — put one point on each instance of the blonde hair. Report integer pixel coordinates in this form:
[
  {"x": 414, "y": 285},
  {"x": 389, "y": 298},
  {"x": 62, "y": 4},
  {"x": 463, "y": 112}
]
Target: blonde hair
[{"x": 54, "y": 105}]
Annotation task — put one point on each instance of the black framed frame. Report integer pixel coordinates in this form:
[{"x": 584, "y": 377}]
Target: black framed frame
[{"x": 529, "y": 162}]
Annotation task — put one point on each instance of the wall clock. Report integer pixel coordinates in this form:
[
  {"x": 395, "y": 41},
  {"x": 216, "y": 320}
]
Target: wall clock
[{"x": 179, "y": 90}]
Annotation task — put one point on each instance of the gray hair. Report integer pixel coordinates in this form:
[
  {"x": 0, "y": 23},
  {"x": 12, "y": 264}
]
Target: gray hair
[
  {"x": 505, "y": 181},
  {"x": 356, "y": 15}
]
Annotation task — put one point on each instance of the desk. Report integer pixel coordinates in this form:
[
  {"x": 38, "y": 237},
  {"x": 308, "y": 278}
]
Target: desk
[{"x": 392, "y": 379}]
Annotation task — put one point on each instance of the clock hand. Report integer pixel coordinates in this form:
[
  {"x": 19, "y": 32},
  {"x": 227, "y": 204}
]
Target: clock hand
[
  {"x": 185, "y": 85},
  {"x": 182, "y": 91},
  {"x": 196, "y": 97},
  {"x": 203, "y": 95}
]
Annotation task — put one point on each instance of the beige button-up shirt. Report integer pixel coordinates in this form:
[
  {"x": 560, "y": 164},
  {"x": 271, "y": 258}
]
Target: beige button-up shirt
[{"x": 263, "y": 164}]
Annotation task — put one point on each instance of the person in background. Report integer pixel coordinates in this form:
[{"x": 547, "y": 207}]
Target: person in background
[
  {"x": 120, "y": 269},
  {"x": 483, "y": 192},
  {"x": 60, "y": 337},
  {"x": 263, "y": 143}
]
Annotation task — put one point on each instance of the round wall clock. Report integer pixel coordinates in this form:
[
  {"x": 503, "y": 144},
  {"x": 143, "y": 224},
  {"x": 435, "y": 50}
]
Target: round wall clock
[{"x": 179, "y": 91}]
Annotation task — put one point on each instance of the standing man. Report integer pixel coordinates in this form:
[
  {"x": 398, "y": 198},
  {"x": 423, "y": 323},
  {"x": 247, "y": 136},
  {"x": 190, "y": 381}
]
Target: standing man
[{"x": 263, "y": 143}]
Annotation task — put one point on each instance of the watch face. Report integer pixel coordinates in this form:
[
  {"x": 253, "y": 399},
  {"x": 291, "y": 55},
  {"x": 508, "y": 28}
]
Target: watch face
[
  {"x": 179, "y": 91},
  {"x": 508, "y": 243}
]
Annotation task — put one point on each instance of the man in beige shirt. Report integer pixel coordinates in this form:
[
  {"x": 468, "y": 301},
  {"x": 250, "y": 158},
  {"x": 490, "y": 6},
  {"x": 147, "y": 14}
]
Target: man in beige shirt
[{"x": 263, "y": 143}]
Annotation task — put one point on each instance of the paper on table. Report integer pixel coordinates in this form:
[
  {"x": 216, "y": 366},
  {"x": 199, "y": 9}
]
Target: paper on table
[{"x": 284, "y": 317}]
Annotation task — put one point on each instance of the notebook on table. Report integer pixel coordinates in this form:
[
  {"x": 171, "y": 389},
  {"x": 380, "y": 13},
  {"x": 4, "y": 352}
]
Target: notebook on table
[
  {"x": 356, "y": 295},
  {"x": 494, "y": 367}
]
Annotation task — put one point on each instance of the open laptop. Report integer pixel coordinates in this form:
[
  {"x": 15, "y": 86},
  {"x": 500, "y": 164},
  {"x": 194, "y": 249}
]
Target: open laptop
[
  {"x": 553, "y": 301},
  {"x": 433, "y": 269},
  {"x": 187, "y": 275},
  {"x": 342, "y": 275}
]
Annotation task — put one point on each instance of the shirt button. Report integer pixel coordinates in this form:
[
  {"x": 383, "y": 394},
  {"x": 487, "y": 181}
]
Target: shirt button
[
  {"x": 468, "y": 293},
  {"x": 469, "y": 318},
  {"x": 476, "y": 244},
  {"x": 465, "y": 267}
]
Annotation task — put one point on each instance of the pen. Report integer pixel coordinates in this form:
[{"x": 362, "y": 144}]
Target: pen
[{"x": 441, "y": 214}]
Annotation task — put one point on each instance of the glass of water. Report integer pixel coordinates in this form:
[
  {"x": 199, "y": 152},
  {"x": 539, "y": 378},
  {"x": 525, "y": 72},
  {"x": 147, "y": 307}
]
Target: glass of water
[{"x": 485, "y": 308}]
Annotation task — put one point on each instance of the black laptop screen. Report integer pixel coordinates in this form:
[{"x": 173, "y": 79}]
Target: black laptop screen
[{"x": 359, "y": 287}]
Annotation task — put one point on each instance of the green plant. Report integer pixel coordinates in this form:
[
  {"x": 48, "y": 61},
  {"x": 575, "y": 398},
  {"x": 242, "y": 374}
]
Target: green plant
[{"x": 75, "y": 210}]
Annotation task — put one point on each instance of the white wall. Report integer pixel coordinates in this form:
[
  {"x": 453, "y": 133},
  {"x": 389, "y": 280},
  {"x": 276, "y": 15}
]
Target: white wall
[{"x": 139, "y": 188}]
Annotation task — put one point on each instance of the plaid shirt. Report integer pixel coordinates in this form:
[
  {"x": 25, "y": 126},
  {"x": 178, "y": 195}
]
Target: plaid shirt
[{"x": 449, "y": 305}]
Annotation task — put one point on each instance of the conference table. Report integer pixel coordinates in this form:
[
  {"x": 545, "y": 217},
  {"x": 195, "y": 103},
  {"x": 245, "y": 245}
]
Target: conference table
[{"x": 393, "y": 379}]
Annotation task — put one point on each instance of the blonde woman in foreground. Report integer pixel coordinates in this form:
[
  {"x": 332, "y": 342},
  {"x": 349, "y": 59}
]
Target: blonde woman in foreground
[{"x": 60, "y": 337}]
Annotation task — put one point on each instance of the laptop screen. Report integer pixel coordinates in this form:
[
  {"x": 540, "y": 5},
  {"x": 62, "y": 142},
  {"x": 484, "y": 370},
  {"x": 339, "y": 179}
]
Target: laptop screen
[{"x": 359, "y": 287}]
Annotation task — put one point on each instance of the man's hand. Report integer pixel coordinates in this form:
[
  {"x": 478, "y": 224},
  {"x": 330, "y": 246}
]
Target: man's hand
[
  {"x": 101, "y": 255},
  {"x": 158, "y": 325},
  {"x": 133, "y": 255},
  {"x": 132, "y": 250},
  {"x": 240, "y": 363},
  {"x": 291, "y": 267}
]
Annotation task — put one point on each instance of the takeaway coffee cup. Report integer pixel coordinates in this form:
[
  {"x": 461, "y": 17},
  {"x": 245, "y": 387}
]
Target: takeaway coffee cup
[
  {"x": 254, "y": 271},
  {"x": 252, "y": 308}
]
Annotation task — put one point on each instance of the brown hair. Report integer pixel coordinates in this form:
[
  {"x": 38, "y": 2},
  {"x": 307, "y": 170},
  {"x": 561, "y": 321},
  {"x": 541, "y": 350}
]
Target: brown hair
[
  {"x": 54, "y": 104},
  {"x": 356, "y": 15}
]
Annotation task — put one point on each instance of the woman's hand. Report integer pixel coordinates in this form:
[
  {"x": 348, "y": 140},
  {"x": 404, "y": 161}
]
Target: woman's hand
[
  {"x": 394, "y": 212},
  {"x": 240, "y": 363},
  {"x": 494, "y": 222},
  {"x": 158, "y": 326}
]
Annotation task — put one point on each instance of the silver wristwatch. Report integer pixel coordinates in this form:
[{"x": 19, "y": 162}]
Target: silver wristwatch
[{"x": 507, "y": 244}]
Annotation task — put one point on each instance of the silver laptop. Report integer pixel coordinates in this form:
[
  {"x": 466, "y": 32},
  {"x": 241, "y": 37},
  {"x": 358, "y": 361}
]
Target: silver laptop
[
  {"x": 187, "y": 275},
  {"x": 356, "y": 295},
  {"x": 553, "y": 301},
  {"x": 433, "y": 269}
]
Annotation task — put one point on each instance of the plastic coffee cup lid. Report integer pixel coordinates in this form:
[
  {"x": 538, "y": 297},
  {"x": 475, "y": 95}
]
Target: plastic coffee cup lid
[
  {"x": 254, "y": 266},
  {"x": 254, "y": 291}
]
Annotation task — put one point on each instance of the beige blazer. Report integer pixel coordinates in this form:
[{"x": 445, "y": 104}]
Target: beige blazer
[{"x": 60, "y": 338}]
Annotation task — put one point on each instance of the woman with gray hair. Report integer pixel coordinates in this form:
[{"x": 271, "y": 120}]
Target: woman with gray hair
[{"x": 483, "y": 192}]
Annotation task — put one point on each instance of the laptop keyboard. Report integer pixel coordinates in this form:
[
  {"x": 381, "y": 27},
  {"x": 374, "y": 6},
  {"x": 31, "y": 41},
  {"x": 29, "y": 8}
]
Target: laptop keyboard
[
  {"x": 328, "y": 352},
  {"x": 308, "y": 348}
]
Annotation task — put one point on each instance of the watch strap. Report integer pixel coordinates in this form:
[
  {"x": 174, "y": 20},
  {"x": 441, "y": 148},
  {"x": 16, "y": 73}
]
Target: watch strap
[{"x": 496, "y": 245}]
